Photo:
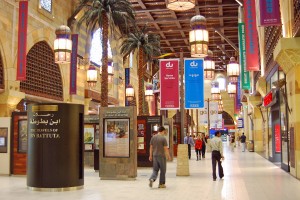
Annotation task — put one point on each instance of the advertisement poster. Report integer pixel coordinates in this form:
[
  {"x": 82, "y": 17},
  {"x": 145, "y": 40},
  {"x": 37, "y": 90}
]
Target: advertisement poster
[
  {"x": 116, "y": 138},
  {"x": 252, "y": 59},
  {"x": 169, "y": 84},
  {"x": 194, "y": 83},
  {"x": 277, "y": 138},
  {"x": 89, "y": 134},
  {"x": 203, "y": 117},
  {"x": 269, "y": 13},
  {"x": 213, "y": 114}
]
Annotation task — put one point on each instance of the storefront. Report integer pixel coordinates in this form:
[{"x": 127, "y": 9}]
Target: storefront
[{"x": 277, "y": 108}]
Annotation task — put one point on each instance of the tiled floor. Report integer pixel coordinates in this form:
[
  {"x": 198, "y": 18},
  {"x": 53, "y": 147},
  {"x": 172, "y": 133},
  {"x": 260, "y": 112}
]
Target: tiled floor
[{"x": 247, "y": 176}]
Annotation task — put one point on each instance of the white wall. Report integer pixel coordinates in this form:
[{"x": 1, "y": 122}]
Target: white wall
[{"x": 4, "y": 157}]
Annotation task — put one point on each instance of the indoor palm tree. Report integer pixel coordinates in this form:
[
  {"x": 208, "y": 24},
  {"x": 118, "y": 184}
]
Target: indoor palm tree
[
  {"x": 147, "y": 45},
  {"x": 107, "y": 15}
]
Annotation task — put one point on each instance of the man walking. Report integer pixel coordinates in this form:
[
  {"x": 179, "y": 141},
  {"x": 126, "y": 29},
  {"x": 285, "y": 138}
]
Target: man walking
[
  {"x": 189, "y": 141},
  {"x": 243, "y": 142},
  {"x": 158, "y": 153},
  {"x": 216, "y": 155}
]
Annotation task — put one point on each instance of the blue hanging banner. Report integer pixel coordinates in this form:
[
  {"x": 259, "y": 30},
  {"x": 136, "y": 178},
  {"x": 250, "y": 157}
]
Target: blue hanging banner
[{"x": 194, "y": 83}]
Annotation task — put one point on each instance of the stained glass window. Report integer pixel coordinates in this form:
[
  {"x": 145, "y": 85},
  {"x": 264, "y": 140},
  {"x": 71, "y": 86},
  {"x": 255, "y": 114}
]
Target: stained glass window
[
  {"x": 96, "y": 48},
  {"x": 47, "y": 5}
]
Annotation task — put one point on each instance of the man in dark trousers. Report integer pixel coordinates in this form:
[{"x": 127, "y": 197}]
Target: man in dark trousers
[
  {"x": 189, "y": 141},
  {"x": 217, "y": 154},
  {"x": 243, "y": 142},
  {"x": 158, "y": 153}
]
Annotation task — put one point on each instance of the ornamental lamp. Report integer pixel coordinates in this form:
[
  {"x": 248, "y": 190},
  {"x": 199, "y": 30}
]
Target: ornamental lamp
[
  {"x": 129, "y": 92},
  {"x": 231, "y": 89},
  {"x": 91, "y": 76},
  {"x": 180, "y": 5},
  {"x": 209, "y": 66},
  {"x": 198, "y": 37},
  {"x": 233, "y": 70},
  {"x": 149, "y": 92},
  {"x": 62, "y": 45}
]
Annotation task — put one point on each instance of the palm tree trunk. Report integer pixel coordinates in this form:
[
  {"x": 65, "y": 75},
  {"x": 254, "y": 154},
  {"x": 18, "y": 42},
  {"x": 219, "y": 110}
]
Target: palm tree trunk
[
  {"x": 141, "y": 82},
  {"x": 104, "y": 78}
]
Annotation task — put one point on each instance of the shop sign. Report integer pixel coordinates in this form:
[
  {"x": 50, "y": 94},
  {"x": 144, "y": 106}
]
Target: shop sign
[{"x": 270, "y": 99}]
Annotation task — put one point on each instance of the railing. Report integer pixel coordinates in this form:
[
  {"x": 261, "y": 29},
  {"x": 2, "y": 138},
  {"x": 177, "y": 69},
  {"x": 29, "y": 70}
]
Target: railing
[
  {"x": 296, "y": 25},
  {"x": 272, "y": 36}
]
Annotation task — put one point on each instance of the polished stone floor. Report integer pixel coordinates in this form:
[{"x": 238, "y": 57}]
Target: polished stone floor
[{"x": 247, "y": 176}]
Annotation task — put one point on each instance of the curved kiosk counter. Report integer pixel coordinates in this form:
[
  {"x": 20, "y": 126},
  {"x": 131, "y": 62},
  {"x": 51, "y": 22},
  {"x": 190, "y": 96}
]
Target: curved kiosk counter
[{"x": 55, "y": 147}]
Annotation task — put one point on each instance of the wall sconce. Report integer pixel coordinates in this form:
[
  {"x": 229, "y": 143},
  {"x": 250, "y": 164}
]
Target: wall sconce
[{"x": 149, "y": 92}]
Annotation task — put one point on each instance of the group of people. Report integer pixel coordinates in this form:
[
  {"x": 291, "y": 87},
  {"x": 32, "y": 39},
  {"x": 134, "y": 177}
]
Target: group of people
[
  {"x": 199, "y": 143},
  {"x": 241, "y": 139},
  {"x": 159, "y": 153}
]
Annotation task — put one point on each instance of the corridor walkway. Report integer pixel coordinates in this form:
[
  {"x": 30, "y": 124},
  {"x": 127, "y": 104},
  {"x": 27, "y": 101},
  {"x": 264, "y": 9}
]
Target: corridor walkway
[{"x": 247, "y": 176}]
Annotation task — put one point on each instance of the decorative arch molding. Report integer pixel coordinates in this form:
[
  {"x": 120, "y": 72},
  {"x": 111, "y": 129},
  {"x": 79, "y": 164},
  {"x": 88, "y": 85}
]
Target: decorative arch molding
[{"x": 43, "y": 76}]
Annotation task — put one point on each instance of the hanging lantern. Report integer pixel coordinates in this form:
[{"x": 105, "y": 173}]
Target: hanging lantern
[
  {"x": 129, "y": 92},
  {"x": 233, "y": 70},
  {"x": 231, "y": 89},
  {"x": 220, "y": 108},
  {"x": 215, "y": 91},
  {"x": 62, "y": 45},
  {"x": 180, "y": 5},
  {"x": 91, "y": 76},
  {"x": 149, "y": 92},
  {"x": 198, "y": 37},
  {"x": 209, "y": 66}
]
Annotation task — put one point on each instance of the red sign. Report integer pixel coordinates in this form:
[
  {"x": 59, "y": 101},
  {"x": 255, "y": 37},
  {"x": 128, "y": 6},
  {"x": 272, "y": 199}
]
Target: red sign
[
  {"x": 22, "y": 40},
  {"x": 268, "y": 99},
  {"x": 73, "y": 66},
  {"x": 252, "y": 59},
  {"x": 169, "y": 84},
  {"x": 277, "y": 138}
]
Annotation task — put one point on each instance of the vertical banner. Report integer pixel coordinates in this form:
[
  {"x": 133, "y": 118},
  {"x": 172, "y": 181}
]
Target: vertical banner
[
  {"x": 73, "y": 65},
  {"x": 213, "y": 114},
  {"x": 203, "y": 115},
  {"x": 169, "y": 84},
  {"x": 245, "y": 76},
  {"x": 22, "y": 40},
  {"x": 220, "y": 124},
  {"x": 194, "y": 83},
  {"x": 252, "y": 58},
  {"x": 269, "y": 13},
  {"x": 127, "y": 81},
  {"x": 238, "y": 103}
]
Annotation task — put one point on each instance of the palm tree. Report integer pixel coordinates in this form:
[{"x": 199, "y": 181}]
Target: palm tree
[
  {"x": 106, "y": 14},
  {"x": 147, "y": 45}
]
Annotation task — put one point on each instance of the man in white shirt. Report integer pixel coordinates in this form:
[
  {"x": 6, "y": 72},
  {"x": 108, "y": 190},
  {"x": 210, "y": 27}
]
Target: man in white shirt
[
  {"x": 189, "y": 141},
  {"x": 217, "y": 154}
]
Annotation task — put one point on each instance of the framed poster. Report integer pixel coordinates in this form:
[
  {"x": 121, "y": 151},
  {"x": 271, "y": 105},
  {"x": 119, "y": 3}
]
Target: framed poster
[
  {"x": 3, "y": 140},
  {"x": 141, "y": 130},
  {"x": 22, "y": 136},
  {"x": 116, "y": 137},
  {"x": 89, "y": 134},
  {"x": 167, "y": 135}
]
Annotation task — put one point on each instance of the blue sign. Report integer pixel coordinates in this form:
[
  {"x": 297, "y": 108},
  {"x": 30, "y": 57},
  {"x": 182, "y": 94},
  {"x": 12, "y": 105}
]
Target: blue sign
[{"x": 194, "y": 83}]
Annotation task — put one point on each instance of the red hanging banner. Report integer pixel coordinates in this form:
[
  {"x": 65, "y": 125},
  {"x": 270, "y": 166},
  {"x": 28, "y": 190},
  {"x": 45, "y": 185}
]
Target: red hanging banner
[
  {"x": 73, "y": 66},
  {"x": 169, "y": 84},
  {"x": 22, "y": 40},
  {"x": 252, "y": 59}
]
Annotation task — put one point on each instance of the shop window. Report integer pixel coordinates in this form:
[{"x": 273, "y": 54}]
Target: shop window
[
  {"x": 43, "y": 77},
  {"x": 46, "y": 5},
  {"x": 96, "y": 48}
]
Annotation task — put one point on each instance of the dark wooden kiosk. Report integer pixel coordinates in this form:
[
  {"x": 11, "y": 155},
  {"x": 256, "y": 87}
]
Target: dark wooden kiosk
[{"x": 55, "y": 147}]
